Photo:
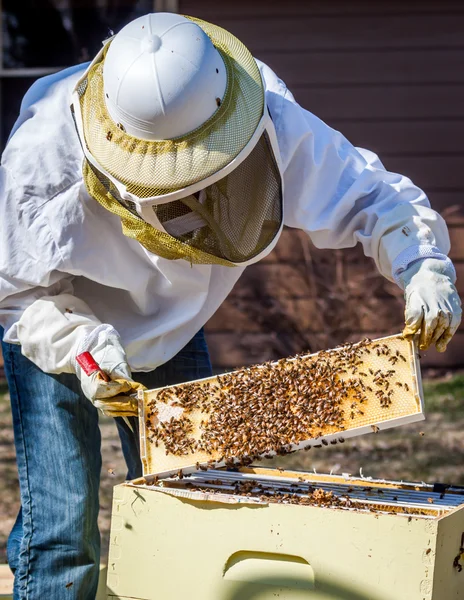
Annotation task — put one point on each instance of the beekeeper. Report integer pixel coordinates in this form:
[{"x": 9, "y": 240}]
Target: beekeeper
[{"x": 127, "y": 220}]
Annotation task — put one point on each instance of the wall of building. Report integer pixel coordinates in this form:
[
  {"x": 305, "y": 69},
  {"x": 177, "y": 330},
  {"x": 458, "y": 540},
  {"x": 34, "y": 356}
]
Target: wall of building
[{"x": 390, "y": 76}]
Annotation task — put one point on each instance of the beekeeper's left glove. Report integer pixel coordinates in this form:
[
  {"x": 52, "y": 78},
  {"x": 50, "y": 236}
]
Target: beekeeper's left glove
[
  {"x": 433, "y": 306},
  {"x": 117, "y": 397},
  {"x": 54, "y": 330}
]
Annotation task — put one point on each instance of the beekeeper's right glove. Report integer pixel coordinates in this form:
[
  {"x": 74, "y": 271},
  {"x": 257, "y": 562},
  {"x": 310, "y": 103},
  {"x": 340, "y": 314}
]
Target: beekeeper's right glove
[
  {"x": 433, "y": 306},
  {"x": 54, "y": 330}
]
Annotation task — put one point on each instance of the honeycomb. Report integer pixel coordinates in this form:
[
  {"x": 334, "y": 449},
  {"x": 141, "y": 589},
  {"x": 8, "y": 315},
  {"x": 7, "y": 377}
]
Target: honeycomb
[{"x": 279, "y": 407}]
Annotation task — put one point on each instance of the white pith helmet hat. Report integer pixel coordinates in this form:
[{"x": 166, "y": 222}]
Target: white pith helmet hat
[
  {"x": 179, "y": 143},
  {"x": 163, "y": 77},
  {"x": 152, "y": 142}
]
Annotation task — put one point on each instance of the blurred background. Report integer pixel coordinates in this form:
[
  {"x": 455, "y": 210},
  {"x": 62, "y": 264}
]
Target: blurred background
[{"x": 388, "y": 74}]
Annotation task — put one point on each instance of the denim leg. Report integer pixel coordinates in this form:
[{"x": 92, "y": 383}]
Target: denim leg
[
  {"x": 58, "y": 454},
  {"x": 13, "y": 544},
  {"x": 130, "y": 446},
  {"x": 192, "y": 362}
]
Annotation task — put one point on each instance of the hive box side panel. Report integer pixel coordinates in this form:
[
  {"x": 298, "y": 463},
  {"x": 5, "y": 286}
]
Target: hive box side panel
[
  {"x": 448, "y": 580},
  {"x": 164, "y": 547}
]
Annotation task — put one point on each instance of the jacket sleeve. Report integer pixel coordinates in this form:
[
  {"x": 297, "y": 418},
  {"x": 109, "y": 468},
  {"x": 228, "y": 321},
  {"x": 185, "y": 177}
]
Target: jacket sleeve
[
  {"x": 341, "y": 195},
  {"x": 38, "y": 308}
]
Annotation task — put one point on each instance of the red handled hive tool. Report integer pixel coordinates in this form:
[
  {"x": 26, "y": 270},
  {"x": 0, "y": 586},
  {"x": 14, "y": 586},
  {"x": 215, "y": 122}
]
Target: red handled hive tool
[{"x": 90, "y": 366}]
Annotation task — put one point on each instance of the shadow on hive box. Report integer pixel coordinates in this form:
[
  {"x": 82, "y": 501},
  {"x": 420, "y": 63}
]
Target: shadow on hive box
[{"x": 294, "y": 589}]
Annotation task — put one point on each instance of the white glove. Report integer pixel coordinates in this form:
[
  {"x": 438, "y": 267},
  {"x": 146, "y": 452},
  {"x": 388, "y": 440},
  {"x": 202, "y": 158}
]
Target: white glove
[
  {"x": 104, "y": 345},
  {"x": 53, "y": 330},
  {"x": 433, "y": 306}
]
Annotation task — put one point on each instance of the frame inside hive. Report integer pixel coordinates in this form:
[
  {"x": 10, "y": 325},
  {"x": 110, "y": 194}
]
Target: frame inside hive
[
  {"x": 384, "y": 373},
  {"x": 252, "y": 485}
]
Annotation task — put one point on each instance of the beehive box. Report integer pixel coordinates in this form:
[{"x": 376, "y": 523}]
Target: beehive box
[
  {"x": 259, "y": 534},
  {"x": 187, "y": 530},
  {"x": 281, "y": 407}
]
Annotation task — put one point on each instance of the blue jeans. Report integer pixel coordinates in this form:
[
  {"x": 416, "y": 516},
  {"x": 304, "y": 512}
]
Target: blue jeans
[{"x": 54, "y": 548}]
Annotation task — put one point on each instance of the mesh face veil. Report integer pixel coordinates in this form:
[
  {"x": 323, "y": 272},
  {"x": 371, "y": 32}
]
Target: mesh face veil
[{"x": 211, "y": 196}]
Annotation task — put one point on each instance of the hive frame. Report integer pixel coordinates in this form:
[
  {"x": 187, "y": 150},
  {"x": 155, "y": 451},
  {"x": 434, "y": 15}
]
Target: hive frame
[{"x": 417, "y": 392}]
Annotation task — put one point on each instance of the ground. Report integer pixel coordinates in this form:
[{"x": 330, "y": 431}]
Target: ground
[{"x": 429, "y": 451}]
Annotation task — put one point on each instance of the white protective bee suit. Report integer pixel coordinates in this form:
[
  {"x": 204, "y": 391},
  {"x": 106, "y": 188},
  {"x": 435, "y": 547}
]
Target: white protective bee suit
[{"x": 57, "y": 242}]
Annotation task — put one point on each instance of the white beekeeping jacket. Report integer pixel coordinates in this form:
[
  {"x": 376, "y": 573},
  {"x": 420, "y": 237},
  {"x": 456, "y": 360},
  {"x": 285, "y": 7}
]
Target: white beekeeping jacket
[{"x": 54, "y": 238}]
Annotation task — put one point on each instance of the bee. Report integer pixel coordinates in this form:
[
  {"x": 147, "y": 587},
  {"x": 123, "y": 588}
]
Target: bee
[
  {"x": 375, "y": 429},
  {"x": 406, "y": 231}
]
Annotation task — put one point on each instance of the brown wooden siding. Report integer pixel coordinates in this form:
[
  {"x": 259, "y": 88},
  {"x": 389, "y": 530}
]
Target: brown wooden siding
[{"x": 390, "y": 76}]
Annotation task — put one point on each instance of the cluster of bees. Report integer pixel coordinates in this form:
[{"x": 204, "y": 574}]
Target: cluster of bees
[
  {"x": 305, "y": 495},
  {"x": 266, "y": 408},
  {"x": 176, "y": 435},
  {"x": 313, "y": 496}
]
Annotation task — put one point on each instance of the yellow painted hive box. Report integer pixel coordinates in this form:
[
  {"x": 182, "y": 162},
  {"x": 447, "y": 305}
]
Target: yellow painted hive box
[{"x": 224, "y": 537}]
